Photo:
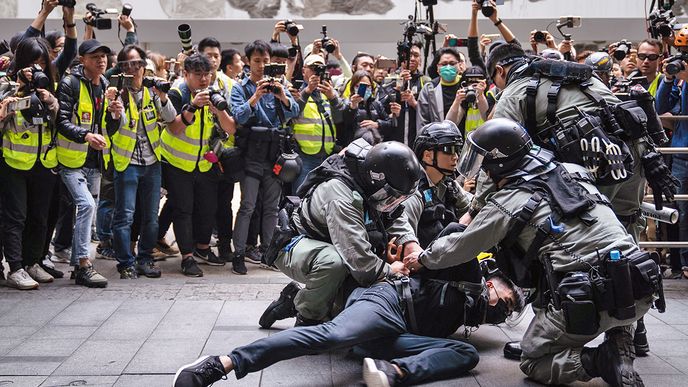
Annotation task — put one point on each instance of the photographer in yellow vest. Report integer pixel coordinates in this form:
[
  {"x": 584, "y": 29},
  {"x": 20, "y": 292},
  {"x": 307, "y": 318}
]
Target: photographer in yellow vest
[
  {"x": 191, "y": 179},
  {"x": 136, "y": 155}
]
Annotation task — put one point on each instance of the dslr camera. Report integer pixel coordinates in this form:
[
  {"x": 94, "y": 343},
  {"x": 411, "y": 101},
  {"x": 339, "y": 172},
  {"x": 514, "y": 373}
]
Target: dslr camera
[
  {"x": 157, "y": 83},
  {"x": 184, "y": 31},
  {"x": 622, "y": 49},
  {"x": 540, "y": 37},
  {"x": 327, "y": 43},
  {"x": 216, "y": 98},
  {"x": 471, "y": 94},
  {"x": 99, "y": 21},
  {"x": 273, "y": 73},
  {"x": 661, "y": 22},
  {"x": 38, "y": 78},
  {"x": 321, "y": 71},
  {"x": 676, "y": 63},
  {"x": 293, "y": 29}
]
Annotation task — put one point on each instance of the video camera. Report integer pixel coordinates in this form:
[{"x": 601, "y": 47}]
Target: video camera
[
  {"x": 623, "y": 86},
  {"x": 157, "y": 83},
  {"x": 675, "y": 64},
  {"x": 327, "y": 43},
  {"x": 292, "y": 28},
  {"x": 622, "y": 49},
  {"x": 661, "y": 21},
  {"x": 100, "y": 22},
  {"x": 184, "y": 31},
  {"x": 273, "y": 73}
]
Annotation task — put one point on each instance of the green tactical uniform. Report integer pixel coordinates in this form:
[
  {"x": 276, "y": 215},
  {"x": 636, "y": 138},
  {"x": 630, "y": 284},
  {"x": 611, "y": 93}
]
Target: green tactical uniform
[
  {"x": 550, "y": 355},
  {"x": 626, "y": 197}
]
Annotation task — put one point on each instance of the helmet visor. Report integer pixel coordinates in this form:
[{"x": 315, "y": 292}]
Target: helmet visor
[
  {"x": 471, "y": 159},
  {"x": 387, "y": 198}
]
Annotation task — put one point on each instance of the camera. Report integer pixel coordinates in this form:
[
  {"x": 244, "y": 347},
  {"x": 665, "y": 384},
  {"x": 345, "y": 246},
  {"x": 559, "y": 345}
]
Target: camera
[
  {"x": 272, "y": 73},
  {"x": 293, "y": 29},
  {"x": 676, "y": 63},
  {"x": 66, "y": 3},
  {"x": 321, "y": 71},
  {"x": 38, "y": 78},
  {"x": 471, "y": 94},
  {"x": 540, "y": 37},
  {"x": 157, "y": 83},
  {"x": 622, "y": 49},
  {"x": 485, "y": 8},
  {"x": 661, "y": 23},
  {"x": 217, "y": 99},
  {"x": 126, "y": 9},
  {"x": 99, "y": 21},
  {"x": 327, "y": 43},
  {"x": 184, "y": 31}
]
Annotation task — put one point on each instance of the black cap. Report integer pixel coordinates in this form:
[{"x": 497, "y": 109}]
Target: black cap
[{"x": 91, "y": 46}]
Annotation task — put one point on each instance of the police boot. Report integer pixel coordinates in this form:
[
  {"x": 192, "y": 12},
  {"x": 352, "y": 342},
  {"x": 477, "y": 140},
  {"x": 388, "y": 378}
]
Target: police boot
[
  {"x": 642, "y": 347},
  {"x": 512, "y": 350},
  {"x": 281, "y": 308},
  {"x": 612, "y": 360}
]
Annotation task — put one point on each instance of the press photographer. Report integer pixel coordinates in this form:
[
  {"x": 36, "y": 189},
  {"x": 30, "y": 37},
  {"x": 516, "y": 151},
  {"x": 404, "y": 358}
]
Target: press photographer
[
  {"x": 191, "y": 180},
  {"x": 473, "y": 102},
  {"x": 314, "y": 129},
  {"x": 262, "y": 106},
  {"x": 136, "y": 155},
  {"x": 27, "y": 162},
  {"x": 364, "y": 116},
  {"x": 650, "y": 55}
]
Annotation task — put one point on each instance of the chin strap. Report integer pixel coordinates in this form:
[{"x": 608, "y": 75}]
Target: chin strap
[{"x": 445, "y": 172}]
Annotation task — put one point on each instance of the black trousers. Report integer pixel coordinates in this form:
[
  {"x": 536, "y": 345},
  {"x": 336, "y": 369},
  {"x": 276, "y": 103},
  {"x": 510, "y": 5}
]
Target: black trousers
[
  {"x": 60, "y": 219},
  {"x": 26, "y": 200},
  {"x": 194, "y": 198}
]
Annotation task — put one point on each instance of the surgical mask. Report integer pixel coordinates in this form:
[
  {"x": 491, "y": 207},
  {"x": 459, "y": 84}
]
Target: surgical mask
[{"x": 448, "y": 73}]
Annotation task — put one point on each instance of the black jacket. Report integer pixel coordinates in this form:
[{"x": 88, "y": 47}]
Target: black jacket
[
  {"x": 368, "y": 110},
  {"x": 68, "y": 95}
]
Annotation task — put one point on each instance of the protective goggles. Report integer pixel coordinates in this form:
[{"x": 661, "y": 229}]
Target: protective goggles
[
  {"x": 471, "y": 159},
  {"x": 131, "y": 65},
  {"x": 387, "y": 198},
  {"x": 650, "y": 57},
  {"x": 449, "y": 149}
]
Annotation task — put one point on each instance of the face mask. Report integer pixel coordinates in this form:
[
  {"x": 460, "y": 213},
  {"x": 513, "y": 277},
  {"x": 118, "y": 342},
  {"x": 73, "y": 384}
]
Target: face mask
[
  {"x": 448, "y": 73},
  {"x": 496, "y": 314},
  {"x": 368, "y": 94}
]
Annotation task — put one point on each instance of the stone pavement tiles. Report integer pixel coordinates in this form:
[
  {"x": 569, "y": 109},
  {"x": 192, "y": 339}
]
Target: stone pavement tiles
[{"x": 138, "y": 332}]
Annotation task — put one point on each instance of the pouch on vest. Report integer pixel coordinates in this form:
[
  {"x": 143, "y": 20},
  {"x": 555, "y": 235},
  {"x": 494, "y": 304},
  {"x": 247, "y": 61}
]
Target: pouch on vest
[
  {"x": 646, "y": 278},
  {"x": 632, "y": 119},
  {"x": 284, "y": 231},
  {"x": 578, "y": 304}
]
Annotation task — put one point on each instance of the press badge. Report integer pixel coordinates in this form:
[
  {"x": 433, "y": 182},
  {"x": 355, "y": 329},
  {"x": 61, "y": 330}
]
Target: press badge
[
  {"x": 149, "y": 114},
  {"x": 86, "y": 118}
]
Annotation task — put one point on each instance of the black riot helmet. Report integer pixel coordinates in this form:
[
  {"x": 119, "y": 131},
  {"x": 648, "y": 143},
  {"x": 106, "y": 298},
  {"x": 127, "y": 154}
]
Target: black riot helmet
[
  {"x": 388, "y": 172},
  {"x": 498, "y": 146},
  {"x": 438, "y": 136}
]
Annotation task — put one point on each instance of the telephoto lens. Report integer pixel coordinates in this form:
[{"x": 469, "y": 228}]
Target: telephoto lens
[
  {"x": 126, "y": 9},
  {"x": 39, "y": 79},
  {"x": 675, "y": 66},
  {"x": 622, "y": 49},
  {"x": 471, "y": 95},
  {"x": 184, "y": 31},
  {"x": 540, "y": 37},
  {"x": 292, "y": 28},
  {"x": 157, "y": 83},
  {"x": 218, "y": 100}
]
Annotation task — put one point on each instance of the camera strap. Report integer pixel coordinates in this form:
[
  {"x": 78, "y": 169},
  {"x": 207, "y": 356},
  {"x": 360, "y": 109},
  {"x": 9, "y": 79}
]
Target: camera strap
[{"x": 328, "y": 119}]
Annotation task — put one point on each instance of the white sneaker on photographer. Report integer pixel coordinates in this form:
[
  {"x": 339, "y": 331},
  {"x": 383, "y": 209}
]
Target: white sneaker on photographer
[
  {"x": 39, "y": 275},
  {"x": 62, "y": 256},
  {"x": 21, "y": 280}
]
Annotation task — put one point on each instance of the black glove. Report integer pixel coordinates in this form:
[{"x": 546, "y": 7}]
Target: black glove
[{"x": 659, "y": 178}]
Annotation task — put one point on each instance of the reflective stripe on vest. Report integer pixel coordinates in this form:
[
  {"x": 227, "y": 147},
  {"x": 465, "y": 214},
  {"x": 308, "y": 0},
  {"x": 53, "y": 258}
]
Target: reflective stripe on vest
[
  {"x": 124, "y": 140},
  {"x": 473, "y": 120},
  {"x": 311, "y": 130},
  {"x": 24, "y": 142},
  {"x": 72, "y": 154},
  {"x": 185, "y": 150}
]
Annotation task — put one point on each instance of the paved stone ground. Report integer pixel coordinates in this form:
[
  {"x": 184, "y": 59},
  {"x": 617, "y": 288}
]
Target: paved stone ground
[{"x": 138, "y": 332}]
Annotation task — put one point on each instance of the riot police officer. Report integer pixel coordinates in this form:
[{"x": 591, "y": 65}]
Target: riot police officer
[
  {"x": 439, "y": 200},
  {"x": 568, "y": 233},
  {"x": 349, "y": 209}
]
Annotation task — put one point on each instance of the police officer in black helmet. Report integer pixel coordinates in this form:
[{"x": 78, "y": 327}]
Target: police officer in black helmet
[
  {"x": 349, "y": 210},
  {"x": 570, "y": 238}
]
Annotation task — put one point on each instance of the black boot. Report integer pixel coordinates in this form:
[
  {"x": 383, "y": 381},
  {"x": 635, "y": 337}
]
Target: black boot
[
  {"x": 612, "y": 360},
  {"x": 281, "y": 308},
  {"x": 642, "y": 347},
  {"x": 512, "y": 350},
  {"x": 224, "y": 250}
]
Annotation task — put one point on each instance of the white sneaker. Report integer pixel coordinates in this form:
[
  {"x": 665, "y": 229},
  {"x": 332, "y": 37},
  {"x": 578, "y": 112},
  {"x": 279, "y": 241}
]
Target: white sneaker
[
  {"x": 47, "y": 262},
  {"x": 62, "y": 256},
  {"x": 39, "y": 275},
  {"x": 20, "y": 280}
]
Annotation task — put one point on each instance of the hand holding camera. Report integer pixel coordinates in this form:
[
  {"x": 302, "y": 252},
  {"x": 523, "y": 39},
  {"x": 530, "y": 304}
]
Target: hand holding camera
[
  {"x": 313, "y": 82},
  {"x": 126, "y": 23},
  {"x": 325, "y": 87},
  {"x": 201, "y": 99},
  {"x": 50, "y": 5}
]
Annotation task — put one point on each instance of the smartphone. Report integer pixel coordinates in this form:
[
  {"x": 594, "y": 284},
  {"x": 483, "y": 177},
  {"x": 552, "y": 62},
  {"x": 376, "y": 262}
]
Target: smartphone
[
  {"x": 362, "y": 88},
  {"x": 492, "y": 36},
  {"x": 298, "y": 84},
  {"x": 570, "y": 21},
  {"x": 455, "y": 42},
  {"x": 384, "y": 63},
  {"x": 19, "y": 104}
]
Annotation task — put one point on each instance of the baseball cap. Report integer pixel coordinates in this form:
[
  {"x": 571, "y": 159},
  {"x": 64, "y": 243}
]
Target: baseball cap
[
  {"x": 91, "y": 46},
  {"x": 313, "y": 59}
]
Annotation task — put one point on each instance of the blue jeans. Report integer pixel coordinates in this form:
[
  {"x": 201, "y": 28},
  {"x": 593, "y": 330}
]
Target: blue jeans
[
  {"x": 80, "y": 182},
  {"x": 310, "y": 162},
  {"x": 679, "y": 168},
  {"x": 143, "y": 181},
  {"x": 373, "y": 322}
]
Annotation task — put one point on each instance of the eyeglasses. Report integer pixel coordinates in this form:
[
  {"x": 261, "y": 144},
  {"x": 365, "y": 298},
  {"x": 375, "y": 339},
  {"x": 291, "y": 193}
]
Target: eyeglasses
[
  {"x": 131, "y": 64},
  {"x": 450, "y": 149},
  {"x": 650, "y": 57},
  {"x": 201, "y": 75}
]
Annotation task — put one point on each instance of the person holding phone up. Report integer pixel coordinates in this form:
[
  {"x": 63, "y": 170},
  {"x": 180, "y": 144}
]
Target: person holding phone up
[{"x": 364, "y": 116}]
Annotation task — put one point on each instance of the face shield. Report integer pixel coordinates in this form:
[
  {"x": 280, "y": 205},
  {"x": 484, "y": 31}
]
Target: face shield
[
  {"x": 387, "y": 198},
  {"x": 471, "y": 159}
]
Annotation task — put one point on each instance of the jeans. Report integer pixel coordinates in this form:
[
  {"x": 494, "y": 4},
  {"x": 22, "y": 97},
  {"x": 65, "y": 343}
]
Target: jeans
[
  {"x": 258, "y": 178},
  {"x": 106, "y": 207},
  {"x": 143, "y": 182},
  {"x": 79, "y": 183},
  {"x": 373, "y": 322},
  {"x": 679, "y": 168},
  {"x": 194, "y": 198},
  {"x": 310, "y": 162},
  {"x": 26, "y": 197}
]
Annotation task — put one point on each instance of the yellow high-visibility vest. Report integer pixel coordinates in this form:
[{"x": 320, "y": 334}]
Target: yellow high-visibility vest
[
  {"x": 72, "y": 154},
  {"x": 312, "y": 131},
  {"x": 124, "y": 140},
  {"x": 23, "y": 143},
  {"x": 185, "y": 150}
]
